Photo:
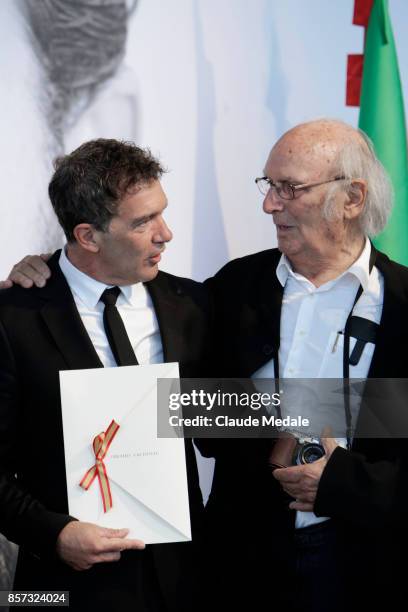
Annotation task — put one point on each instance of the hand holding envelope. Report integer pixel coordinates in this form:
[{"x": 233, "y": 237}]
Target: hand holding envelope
[
  {"x": 81, "y": 545},
  {"x": 147, "y": 475}
]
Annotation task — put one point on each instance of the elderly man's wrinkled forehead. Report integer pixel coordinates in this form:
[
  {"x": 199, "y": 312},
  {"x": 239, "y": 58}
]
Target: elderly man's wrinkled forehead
[{"x": 314, "y": 145}]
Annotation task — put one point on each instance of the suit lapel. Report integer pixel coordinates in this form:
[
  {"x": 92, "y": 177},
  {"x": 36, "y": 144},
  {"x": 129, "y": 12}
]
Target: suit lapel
[
  {"x": 64, "y": 323},
  {"x": 270, "y": 301},
  {"x": 167, "y": 297},
  {"x": 385, "y": 361},
  {"x": 265, "y": 302}
]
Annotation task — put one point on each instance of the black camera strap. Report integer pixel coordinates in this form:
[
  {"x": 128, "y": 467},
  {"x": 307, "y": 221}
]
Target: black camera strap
[{"x": 364, "y": 331}]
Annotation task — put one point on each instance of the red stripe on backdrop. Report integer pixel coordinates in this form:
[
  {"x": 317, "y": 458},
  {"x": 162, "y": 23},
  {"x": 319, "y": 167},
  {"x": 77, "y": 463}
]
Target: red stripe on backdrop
[
  {"x": 354, "y": 77},
  {"x": 362, "y": 11},
  {"x": 361, "y": 16}
]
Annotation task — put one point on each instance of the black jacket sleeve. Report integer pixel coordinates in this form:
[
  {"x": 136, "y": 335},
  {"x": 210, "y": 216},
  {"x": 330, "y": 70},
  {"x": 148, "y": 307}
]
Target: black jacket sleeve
[
  {"x": 358, "y": 491},
  {"x": 23, "y": 519}
]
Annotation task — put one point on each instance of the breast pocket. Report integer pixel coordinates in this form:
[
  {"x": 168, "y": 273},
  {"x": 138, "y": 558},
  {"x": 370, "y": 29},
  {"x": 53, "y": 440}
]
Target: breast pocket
[{"x": 332, "y": 363}]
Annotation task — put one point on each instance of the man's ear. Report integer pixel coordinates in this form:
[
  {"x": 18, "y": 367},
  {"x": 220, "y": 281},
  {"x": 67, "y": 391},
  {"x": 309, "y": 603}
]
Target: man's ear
[
  {"x": 357, "y": 193},
  {"x": 86, "y": 236}
]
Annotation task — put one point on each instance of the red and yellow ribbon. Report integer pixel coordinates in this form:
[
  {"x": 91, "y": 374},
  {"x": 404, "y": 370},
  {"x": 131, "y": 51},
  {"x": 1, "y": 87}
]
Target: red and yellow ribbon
[{"x": 101, "y": 445}]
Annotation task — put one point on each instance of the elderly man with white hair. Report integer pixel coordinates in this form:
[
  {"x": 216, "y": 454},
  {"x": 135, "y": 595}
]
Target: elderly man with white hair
[
  {"x": 324, "y": 534},
  {"x": 329, "y": 534}
]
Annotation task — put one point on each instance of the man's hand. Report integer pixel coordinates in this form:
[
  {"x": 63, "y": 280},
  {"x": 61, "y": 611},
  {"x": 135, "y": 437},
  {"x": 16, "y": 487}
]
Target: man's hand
[
  {"x": 302, "y": 481},
  {"x": 81, "y": 545},
  {"x": 31, "y": 270}
]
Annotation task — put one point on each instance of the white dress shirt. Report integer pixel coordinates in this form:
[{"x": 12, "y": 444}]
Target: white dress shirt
[
  {"x": 134, "y": 305},
  {"x": 311, "y": 319}
]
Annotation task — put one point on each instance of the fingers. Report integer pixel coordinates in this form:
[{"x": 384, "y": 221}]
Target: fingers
[
  {"x": 32, "y": 270},
  {"x": 329, "y": 444},
  {"x": 40, "y": 267},
  {"x": 292, "y": 491},
  {"x": 134, "y": 545},
  {"x": 119, "y": 544},
  {"x": 107, "y": 532},
  {"x": 107, "y": 557},
  {"x": 327, "y": 432},
  {"x": 116, "y": 540},
  {"x": 82, "y": 544},
  {"x": 6, "y": 284},
  {"x": 328, "y": 440},
  {"x": 18, "y": 278},
  {"x": 109, "y": 549},
  {"x": 302, "y": 493},
  {"x": 305, "y": 497},
  {"x": 301, "y": 506},
  {"x": 289, "y": 474}
]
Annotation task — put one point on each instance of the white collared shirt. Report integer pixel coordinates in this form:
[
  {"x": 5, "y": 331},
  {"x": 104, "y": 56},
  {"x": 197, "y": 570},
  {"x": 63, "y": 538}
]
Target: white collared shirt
[
  {"x": 134, "y": 305},
  {"x": 311, "y": 319}
]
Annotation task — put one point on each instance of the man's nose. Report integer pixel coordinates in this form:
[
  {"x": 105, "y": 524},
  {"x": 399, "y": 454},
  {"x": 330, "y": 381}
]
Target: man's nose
[
  {"x": 163, "y": 233},
  {"x": 272, "y": 202}
]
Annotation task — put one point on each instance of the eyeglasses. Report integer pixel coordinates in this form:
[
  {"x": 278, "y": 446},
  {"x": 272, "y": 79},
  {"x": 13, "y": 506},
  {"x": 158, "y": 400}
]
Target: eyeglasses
[{"x": 286, "y": 190}]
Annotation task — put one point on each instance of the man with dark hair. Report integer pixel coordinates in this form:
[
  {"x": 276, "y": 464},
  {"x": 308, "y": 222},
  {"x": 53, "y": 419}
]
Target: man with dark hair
[
  {"x": 89, "y": 184},
  {"x": 109, "y": 200}
]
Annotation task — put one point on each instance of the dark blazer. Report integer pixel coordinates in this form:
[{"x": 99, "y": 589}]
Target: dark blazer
[
  {"x": 363, "y": 491},
  {"x": 41, "y": 333}
]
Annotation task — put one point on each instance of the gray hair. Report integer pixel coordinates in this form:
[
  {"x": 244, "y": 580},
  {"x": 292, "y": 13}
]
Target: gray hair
[{"x": 357, "y": 159}]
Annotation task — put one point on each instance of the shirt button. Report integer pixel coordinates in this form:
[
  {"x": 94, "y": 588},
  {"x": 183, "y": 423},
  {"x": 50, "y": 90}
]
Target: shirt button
[
  {"x": 267, "y": 349},
  {"x": 291, "y": 370},
  {"x": 302, "y": 332}
]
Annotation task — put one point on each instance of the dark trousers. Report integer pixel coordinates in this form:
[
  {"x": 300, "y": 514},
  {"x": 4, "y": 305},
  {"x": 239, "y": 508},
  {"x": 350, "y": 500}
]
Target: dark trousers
[
  {"x": 130, "y": 585},
  {"x": 318, "y": 574}
]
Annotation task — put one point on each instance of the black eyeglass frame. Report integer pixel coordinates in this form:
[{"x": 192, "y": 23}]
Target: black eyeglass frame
[{"x": 293, "y": 188}]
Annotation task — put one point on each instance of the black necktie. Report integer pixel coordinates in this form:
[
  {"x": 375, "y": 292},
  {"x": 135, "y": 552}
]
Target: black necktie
[{"x": 115, "y": 330}]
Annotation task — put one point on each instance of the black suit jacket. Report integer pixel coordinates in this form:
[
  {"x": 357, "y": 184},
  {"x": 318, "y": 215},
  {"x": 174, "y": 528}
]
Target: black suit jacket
[
  {"x": 41, "y": 333},
  {"x": 363, "y": 491}
]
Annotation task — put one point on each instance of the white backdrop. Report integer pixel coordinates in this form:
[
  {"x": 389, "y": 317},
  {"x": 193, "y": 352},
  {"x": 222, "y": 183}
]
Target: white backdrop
[{"x": 208, "y": 85}]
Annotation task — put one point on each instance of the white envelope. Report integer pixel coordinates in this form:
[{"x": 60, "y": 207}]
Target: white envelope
[{"x": 147, "y": 475}]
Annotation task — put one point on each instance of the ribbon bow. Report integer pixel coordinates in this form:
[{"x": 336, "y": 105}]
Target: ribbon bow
[{"x": 101, "y": 444}]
